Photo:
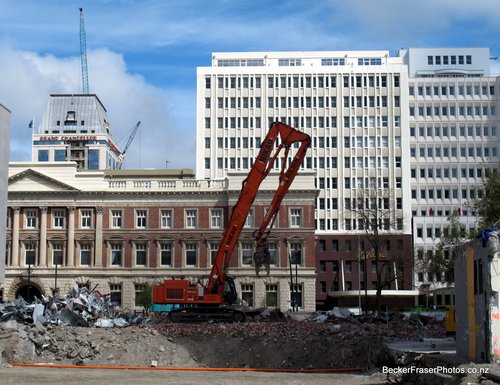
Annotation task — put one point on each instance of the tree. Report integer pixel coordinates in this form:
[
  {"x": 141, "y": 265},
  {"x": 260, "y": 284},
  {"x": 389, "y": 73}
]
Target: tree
[
  {"x": 488, "y": 207},
  {"x": 376, "y": 216},
  {"x": 441, "y": 263},
  {"x": 144, "y": 297}
]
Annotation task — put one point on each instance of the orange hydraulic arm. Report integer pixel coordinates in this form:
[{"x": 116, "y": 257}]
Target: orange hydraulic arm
[{"x": 262, "y": 166}]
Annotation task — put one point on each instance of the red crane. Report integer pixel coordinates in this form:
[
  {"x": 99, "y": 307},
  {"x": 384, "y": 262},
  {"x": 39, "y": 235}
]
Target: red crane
[{"x": 207, "y": 302}]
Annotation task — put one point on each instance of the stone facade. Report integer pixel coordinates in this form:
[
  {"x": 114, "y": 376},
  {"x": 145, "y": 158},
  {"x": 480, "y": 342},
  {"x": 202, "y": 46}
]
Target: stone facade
[{"x": 117, "y": 230}]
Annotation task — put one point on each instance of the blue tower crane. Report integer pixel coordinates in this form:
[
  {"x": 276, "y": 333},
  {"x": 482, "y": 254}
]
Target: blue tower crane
[{"x": 83, "y": 55}]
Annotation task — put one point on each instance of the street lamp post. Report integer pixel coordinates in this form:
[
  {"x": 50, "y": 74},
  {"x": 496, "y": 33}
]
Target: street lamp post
[
  {"x": 30, "y": 261},
  {"x": 55, "y": 280}
]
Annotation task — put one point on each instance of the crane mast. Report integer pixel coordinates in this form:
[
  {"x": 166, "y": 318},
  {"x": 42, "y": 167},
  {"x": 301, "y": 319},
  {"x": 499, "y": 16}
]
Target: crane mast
[{"x": 83, "y": 55}]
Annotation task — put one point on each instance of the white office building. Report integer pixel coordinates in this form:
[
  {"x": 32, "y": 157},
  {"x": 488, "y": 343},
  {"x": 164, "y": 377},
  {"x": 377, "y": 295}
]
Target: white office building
[
  {"x": 354, "y": 104},
  {"x": 422, "y": 125},
  {"x": 454, "y": 139}
]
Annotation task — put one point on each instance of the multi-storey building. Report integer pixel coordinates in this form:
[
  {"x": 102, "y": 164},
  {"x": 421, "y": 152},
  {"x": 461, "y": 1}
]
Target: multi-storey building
[
  {"x": 117, "y": 230},
  {"x": 76, "y": 128},
  {"x": 454, "y": 141},
  {"x": 354, "y": 105},
  {"x": 421, "y": 126},
  {"x": 4, "y": 166}
]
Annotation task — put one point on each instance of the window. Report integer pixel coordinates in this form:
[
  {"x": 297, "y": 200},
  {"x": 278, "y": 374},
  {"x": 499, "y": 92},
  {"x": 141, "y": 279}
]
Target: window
[
  {"x": 116, "y": 294},
  {"x": 247, "y": 293},
  {"x": 191, "y": 254},
  {"x": 43, "y": 155},
  {"x": 272, "y": 295},
  {"x": 296, "y": 296},
  {"x": 247, "y": 253},
  {"x": 138, "y": 289},
  {"x": 166, "y": 253},
  {"x": 57, "y": 253},
  {"x": 214, "y": 247},
  {"x": 295, "y": 217},
  {"x": 59, "y": 155},
  {"x": 273, "y": 253},
  {"x": 116, "y": 219},
  {"x": 140, "y": 254},
  {"x": 85, "y": 219},
  {"x": 93, "y": 159},
  {"x": 216, "y": 219},
  {"x": 296, "y": 253},
  {"x": 58, "y": 218},
  {"x": 116, "y": 254},
  {"x": 249, "y": 220},
  {"x": 30, "y": 253},
  {"x": 166, "y": 219},
  {"x": 140, "y": 219},
  {"x": 31, "y": 218},
  {"x": 85, "y": 254},
  {"x": 191, "y": 221}
]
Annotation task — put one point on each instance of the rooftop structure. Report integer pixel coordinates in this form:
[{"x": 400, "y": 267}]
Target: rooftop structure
[{"x": 76, "y": 128}]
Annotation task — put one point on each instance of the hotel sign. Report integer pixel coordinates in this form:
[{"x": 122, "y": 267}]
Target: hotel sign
[{"x": 70, "y": 138}]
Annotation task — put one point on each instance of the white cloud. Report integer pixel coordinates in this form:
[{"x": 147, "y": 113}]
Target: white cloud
[
  {"x": 495, "y": 67},
  {"x": 28, "y": 78}
]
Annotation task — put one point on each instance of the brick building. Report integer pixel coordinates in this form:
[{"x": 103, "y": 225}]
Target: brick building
[{"x": 117, "y": 230}]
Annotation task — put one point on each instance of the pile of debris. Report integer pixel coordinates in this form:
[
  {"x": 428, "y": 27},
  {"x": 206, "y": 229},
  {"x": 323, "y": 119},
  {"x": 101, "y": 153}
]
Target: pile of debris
[
  {"x": 80, "y": 307},
  {"x": 409, "y": 326}
]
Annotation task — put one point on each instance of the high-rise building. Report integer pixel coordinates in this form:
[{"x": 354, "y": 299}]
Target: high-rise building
[
  {"x": 76, "y": 128},
  {"x": 362, "y": 109},
  {"x": 454, "y": 141}
]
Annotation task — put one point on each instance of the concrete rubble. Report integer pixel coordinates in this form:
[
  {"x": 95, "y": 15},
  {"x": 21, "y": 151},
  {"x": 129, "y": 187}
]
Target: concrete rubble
[{"x": 80, "y": 307}]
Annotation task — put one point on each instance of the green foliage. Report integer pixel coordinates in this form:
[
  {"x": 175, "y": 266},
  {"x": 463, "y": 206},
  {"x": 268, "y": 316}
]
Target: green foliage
[
  {"x": 441, "y": 263},
  {"x": 488, "y": 207},
  {"x": 144, "y": 298}
]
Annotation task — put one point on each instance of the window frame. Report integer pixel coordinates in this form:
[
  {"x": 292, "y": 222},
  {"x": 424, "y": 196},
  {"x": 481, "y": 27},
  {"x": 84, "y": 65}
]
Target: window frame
[
  {"x": 216, "y": 218},
  {"x": 296, "y": 217},
  {"x": 116, "y": 220},
  {"x": 191, "y": 218},
  {"x": 141, "y": 218},
  {"x": 31, "y": 218},
  {"x": 191, "y": 247},
  {"x": 58, "y": 216},
  {"x": 84, "y": 218}
]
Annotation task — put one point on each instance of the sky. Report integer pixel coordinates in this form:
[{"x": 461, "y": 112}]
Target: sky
[{"x": 143, "y": 55}]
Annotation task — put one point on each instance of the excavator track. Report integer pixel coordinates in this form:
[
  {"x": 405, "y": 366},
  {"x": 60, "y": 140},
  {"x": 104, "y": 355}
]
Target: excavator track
[{"x": 205, "y": 314}]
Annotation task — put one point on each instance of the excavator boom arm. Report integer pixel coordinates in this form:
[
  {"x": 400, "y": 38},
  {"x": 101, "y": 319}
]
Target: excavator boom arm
[{"x": 262, "y": 166}]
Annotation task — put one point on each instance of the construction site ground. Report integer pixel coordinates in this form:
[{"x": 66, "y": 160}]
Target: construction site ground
[{"x": 291, "y": 345}]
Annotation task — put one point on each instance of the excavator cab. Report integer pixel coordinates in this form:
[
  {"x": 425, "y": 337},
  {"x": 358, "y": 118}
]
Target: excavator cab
[{"x": 230, "y": 294}]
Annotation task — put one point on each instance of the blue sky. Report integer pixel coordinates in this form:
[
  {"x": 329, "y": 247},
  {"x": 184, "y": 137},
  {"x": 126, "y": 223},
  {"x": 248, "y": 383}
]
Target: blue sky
[{"x": 142, "y": 55}]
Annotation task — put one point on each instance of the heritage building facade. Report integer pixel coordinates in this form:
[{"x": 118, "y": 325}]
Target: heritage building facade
[{"x": 117, "y": 230}]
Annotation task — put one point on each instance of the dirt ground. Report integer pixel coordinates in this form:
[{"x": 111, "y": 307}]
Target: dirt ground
[
  {"x": 161, "y": 345},
  {"x": 290, "y": 345}
]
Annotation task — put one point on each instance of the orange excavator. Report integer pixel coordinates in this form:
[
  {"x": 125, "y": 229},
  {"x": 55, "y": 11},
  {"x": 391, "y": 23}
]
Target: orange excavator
[{"x": 212, "y": 301}]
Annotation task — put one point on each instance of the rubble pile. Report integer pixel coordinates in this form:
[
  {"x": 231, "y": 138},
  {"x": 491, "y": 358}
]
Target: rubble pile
[
  {"x": 84, "y": 328},
  {"x": 68, "y": 345},
  {"x": 80, "y": 307}
]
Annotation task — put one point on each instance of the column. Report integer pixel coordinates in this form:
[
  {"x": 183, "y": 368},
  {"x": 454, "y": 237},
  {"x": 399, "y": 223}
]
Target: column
[
  {"x": 43, "y": 237},
  {"x": 98, "y": 237},
  {"x": 71, "y": 237},
  {"x": 15, "y": 237}
]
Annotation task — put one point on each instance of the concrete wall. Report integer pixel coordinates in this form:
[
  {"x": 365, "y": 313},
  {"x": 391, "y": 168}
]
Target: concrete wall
[{"x": 4, "y": 168}]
